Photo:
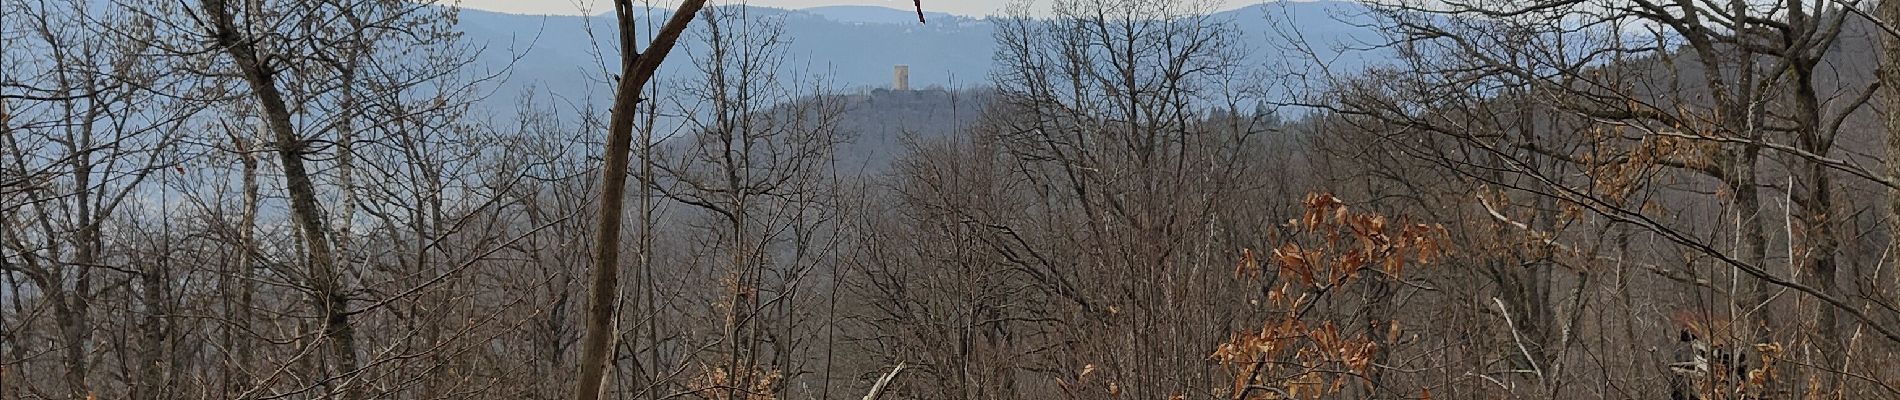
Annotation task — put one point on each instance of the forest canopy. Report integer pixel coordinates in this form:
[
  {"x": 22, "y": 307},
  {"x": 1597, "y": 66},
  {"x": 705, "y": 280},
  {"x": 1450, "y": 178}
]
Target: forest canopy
[{"x": 1139, "y": 199}]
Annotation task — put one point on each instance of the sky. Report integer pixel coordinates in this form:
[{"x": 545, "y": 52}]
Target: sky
[{"x": 573, "y": 7}]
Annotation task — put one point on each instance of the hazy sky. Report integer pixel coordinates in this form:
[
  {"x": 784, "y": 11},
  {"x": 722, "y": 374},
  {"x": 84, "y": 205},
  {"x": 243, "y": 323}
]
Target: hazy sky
[{"x": 963, "y": 7}]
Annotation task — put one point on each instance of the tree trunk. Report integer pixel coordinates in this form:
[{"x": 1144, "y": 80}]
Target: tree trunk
[
  {"x": 324, "y": 279},
  {"x": 69, "y": 314},
  {"x": 636, "y": 70},
  {"x": 152, "y": 361},
  {"x": 1816, "y": 204},
  {"x": 237, "y": 284},
  {"x": 1889, "y": 13}
]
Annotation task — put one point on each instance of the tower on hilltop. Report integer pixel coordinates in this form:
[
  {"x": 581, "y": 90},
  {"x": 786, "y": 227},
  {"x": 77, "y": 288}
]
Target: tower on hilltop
[{"x": 900, "y": 77}]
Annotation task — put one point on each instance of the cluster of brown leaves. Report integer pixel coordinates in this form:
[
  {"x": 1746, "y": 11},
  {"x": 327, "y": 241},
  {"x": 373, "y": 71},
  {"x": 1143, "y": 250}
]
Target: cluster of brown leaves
[
  {"x": 1303, "y": 354},
  {"x": 1715, "y": 332},
  {"x": 714, "y": 379},
  {"x": 1332, "y": 246},
  {"x": 1718, "y": 384},
  {"x": 1350, "y": 243},
  {"x": 1616, "y": 172}
]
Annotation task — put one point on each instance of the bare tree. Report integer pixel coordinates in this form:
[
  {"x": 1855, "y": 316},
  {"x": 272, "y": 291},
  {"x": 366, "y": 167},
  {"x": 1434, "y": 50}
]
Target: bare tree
[
  {"x": 1672, "y": 100},
  {"x": 86, "y": 125},
  {"x": 1118, "y": 125},
  {"x": 755, "y": 160},
  {"x": 637, "y": 68},
  {"x": 287, "y": 61}
]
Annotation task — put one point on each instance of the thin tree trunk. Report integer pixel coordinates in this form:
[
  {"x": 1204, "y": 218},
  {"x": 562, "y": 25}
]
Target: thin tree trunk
[
  {"x": 324, "y": 279},
  {"x": 346, "y": 157},
  {"x": 152, "y": 360},
  {"x": 1741, "y": 114},
  {"x": 1817, "y": 203},
  {"x": 7, "y": 340},
  {"x": 77, "y": 320},
  {"x": 67, "y": 312},
  {"x": 636, "y": 70},
  {"x": 651, "y": 313},
  {"x": 1889, "y": 13},
  {"x": 238, "y": 283}
]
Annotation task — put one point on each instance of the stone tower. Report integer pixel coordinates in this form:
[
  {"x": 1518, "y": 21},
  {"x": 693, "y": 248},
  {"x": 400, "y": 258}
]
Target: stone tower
[{"x": 900, "y": 77}]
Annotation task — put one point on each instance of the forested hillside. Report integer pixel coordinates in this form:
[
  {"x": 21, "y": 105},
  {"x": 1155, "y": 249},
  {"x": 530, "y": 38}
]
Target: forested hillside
[{"x": 1112, "y": 199}]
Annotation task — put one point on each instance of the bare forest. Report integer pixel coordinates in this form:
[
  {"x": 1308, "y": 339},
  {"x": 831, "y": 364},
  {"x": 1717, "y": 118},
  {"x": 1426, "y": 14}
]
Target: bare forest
[{"x": 1516, "y": 199}]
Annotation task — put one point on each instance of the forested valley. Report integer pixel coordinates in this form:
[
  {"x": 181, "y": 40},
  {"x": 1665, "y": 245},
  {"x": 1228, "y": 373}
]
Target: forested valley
[{"x": 1514, "y": 199}]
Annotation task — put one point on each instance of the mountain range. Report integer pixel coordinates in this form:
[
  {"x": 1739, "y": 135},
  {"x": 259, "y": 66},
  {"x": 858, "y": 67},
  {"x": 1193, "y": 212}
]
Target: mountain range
[{"x": 853, "y": 47}]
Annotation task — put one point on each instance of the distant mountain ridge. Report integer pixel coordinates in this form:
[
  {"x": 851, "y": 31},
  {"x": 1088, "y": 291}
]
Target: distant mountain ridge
[
  {"x": 875, "y": 14},
  {"x": 853, "y": 47}
]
